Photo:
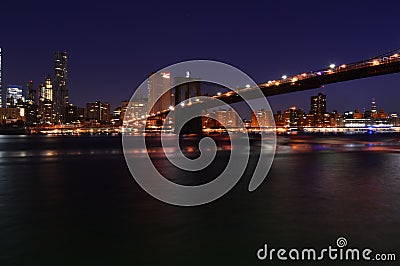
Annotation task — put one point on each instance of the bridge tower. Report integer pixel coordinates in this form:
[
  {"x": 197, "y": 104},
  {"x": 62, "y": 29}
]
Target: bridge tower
[{"x": 186, "y": 88}]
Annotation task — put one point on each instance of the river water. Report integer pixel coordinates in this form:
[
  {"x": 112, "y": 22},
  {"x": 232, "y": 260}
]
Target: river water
[{"x": 72, "y": 201}]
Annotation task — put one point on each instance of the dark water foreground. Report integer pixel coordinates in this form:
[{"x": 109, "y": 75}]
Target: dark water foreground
[{"x": 72, "y": 201}]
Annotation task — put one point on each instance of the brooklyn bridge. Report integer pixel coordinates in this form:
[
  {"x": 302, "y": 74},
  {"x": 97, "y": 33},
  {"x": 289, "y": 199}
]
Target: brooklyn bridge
[{"x": 384, "y": 64}]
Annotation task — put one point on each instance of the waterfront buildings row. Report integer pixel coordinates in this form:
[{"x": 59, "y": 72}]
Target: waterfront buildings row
[
  {"x": 297, "y": 119},
  {"x": 99, "y": 113}
]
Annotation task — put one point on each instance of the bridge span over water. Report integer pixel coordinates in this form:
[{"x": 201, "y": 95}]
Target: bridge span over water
[{"x": 383, "y": 64}]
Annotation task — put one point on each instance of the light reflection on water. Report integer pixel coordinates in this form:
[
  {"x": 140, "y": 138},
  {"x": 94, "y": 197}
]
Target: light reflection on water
[
  {"x": 73, "y": 201},
  {"x": 284, "y": 145}
]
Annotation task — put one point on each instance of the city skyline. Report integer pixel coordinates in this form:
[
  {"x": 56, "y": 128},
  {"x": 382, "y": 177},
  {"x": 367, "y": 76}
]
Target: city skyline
[
  {"x": 42, "y": 107},
  {"x": 115, "y": 49},
  {"x": 61, "y": 98},
  {"x": 207, "y": 132}
]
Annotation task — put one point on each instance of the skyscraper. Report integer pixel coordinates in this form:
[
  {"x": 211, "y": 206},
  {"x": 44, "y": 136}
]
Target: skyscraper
[
  {"x": 318, "y": 108},
  {"x": 262, "y": 119},
  {"x": 31, "y": 105},
  {"x": 159, "y": 85},
  {"x": 318, "y": 104},
  {"x": 226, "y": 118},
  {"x": 46, "y": 105},
  {"x": 46, "y": 90},
  {"x": 137, "y": 108},
  {"x": 31, "y": 92},
  {"x": 373, "y": 112},
  {"x": 293, "y": 117},
  {"x": 60, "y": 91},
  {"x": 373, "y": 106},
  {"x": 1, "y": 95}
]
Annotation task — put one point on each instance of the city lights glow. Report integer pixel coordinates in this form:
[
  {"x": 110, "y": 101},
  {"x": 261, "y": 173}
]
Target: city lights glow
[
  {"x": 166, "y": 75},
  {"x": 96, "y": 110}
]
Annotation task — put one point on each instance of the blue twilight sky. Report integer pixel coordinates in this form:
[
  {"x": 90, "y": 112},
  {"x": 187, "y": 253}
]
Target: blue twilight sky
[{"x": 114, "y": 45}]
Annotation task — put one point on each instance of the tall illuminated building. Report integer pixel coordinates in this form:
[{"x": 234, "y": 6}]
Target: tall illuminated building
[
  {"x": 291, "y": 117},
  {"x": 159, "y": 85},
  {"x": 14, "y": 96},
  {"x": 318, "y": 104},
  {"x": 46, "y": 90},
  {"x": 318, "y": 108},
  {"x": 1, "y": 95},
  {"x": 31, "y": 93},
  {"x": 137, "y": 108},
  {"x": 46, "y": 108},
  {"x": 373, "y": 106},
  {"x": 31, "y": 105},
  {"x": 262, "y": 119},
  {"x": 227, "y": 118},
  {"x": 374, "y": 112},
  {"x": 60, "y": 91}
]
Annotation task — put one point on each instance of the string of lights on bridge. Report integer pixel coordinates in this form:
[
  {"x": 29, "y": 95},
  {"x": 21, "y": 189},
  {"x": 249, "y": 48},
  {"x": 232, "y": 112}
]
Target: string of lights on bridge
[
  {"x": 390, "y": 57},
  {"x": 383, "y": 59}
]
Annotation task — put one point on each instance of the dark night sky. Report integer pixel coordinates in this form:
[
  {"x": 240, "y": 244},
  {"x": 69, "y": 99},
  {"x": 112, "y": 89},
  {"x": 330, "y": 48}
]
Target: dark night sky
[{"x": 114, "y": 46}]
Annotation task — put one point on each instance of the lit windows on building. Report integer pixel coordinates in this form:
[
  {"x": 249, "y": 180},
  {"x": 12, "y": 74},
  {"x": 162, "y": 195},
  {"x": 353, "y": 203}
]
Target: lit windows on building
[
  {"x": 318, "y": 109},
  {"x": 160, "y": 95},
  {"x": 1, "y": 95},
  {"x": 12, "y": 115},
  {"x": 60, "y": 90},
  {"x": 98, "y": 112},
  {"x": 222, "y": 118},
  {"x": 31, "y": 99},
  {"x": 14, "y": 96},
  {"x": 262, "y": 119},
  {"x": 46, "y": 108}
]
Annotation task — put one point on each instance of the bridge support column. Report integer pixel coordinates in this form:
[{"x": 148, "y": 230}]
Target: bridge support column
[
  {"x": 186, "y": 88},
  {"x": 192, "y": 126}
]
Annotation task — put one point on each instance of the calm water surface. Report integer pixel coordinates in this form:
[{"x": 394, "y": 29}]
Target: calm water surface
[{"x": 72, "y": 201}]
